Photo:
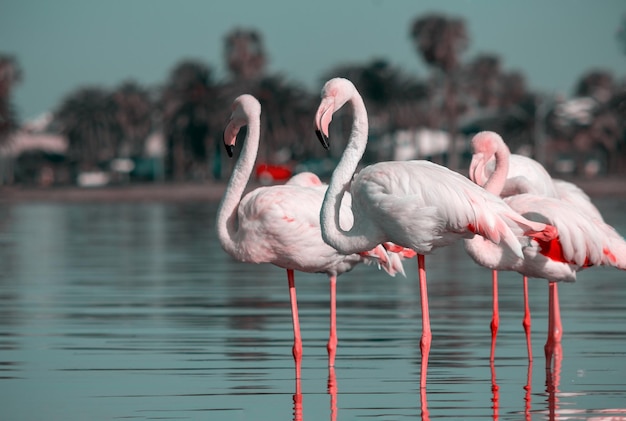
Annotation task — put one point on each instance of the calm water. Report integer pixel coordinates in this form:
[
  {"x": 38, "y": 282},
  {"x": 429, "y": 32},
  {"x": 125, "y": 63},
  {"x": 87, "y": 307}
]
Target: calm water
[{"x": 133, "y": 311}]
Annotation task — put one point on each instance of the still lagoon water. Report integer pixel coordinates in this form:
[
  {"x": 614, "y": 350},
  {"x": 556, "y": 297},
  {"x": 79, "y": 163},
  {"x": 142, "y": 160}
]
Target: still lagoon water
[{"x": 133, "y": 311}]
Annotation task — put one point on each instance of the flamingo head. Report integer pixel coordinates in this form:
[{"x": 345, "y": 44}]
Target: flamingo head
[
  {"x": 243, "y": 109},
  {"x": 335, "y": 94},
  {"x": 484, "y": 147}
]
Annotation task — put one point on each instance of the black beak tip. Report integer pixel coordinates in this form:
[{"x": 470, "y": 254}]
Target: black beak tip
[
  {"x": 229, "y": 150},
  {"x": 323, "y": 139}
]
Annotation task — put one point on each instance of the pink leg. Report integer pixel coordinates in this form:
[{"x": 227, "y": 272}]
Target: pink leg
[
  {"x": 495, "y": 318},
  {"x": 332, "y": 340},
  {"x": 526, "y": 322},
  {"x": 297, "y": 339},
  {"x": 555, "y": 328},
  {"x": 426, "y": 333}
]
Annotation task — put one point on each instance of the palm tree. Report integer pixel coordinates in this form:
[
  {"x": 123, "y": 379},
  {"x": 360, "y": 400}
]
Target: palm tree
[
  {"x": 440, "y": 41},
  {"x": 87, "y": 117},
  {"x": 244, "y": 54},
  {"x": 287, "y": 123},
  {"x": 134, "y": 114},
  {"x": 186, "y": 107},
  {"x": 10, "y": 75},
  {"x": 597, "y": 84},
  {"x": 499, "y": 101}
]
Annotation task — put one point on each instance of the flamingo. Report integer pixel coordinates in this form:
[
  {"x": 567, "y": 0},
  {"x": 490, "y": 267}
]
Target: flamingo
[
  {"x": 414, "y": 204},
  {"x": 584, "y": 238},
  {"x": 525, "y": 175},
  {"x": 280, "y": 224}
]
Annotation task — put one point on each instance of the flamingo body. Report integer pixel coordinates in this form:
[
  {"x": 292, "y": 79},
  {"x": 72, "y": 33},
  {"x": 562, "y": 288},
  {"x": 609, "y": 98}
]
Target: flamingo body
[{"x": 423, "y": 206}]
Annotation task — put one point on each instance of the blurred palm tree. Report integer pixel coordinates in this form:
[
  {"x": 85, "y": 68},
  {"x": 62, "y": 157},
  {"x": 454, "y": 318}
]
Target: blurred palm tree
[
  {"x": 286, "y": 119},
  {"x": 498, "y": 101},
  {"x": 597, "y": 84},
  {"x": 244, "y": 54},
  {"x": 134, "y": 114},
  {"x": 187, "y": 103},
  {"x": 10, "y": 75},
  {"x": 88, "y": 118},
  {"x": 440, "y": 41},
  {"x": 590, "y": 127}
]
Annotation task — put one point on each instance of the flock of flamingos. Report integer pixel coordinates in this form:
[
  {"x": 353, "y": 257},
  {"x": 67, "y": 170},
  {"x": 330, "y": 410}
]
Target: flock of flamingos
[{"x": 510, "y": 214}]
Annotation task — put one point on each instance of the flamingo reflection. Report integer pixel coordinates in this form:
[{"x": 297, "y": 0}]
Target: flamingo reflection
[
  {"x": 331, "y": 389},
  {"x": 424, "y": 405},
  {"x": 495, "y": 391},
  {"x": 528, "y": 388},
  {"x": 297, "y": 400},
  {"x": 553, "y": 381}
]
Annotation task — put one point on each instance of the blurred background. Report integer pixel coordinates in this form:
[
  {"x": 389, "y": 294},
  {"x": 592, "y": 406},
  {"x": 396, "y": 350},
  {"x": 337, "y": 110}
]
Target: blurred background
[{"x": 112, "y": 93}]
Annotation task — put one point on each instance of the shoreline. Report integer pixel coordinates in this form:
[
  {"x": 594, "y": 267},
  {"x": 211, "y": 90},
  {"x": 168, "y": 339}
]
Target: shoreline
[{"x": 209, "y": 191}]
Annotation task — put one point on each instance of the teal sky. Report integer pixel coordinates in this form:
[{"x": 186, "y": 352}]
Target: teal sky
[{"x": 64, "y": 44}]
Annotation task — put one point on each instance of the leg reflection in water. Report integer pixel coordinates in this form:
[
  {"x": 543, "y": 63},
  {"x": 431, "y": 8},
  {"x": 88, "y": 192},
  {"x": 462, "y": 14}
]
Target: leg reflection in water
[
  {"x": 332, "y": 391},
  {"x": 424, "y": 404},
  {"x": 553, "y": 381},
  {"x": 495, "y": 391},
  {"x": 528, "y": 395},
  {"x": 297, "y": 399}
]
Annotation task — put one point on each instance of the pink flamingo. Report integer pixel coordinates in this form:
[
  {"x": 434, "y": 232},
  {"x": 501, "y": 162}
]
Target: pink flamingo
[
  {"x": 584, "y": 239},
  {"x": 280, "y": 224},
  {"x": 414, "y": 204},
  {"x": 525, "y": 175}
]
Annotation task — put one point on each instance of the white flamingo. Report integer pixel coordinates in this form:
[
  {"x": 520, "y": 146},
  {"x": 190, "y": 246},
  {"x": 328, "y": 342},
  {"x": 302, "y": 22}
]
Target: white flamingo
[
  {"x": 280, "y": 224},
  {"x": 414, "y": 204},
  {"x": 584, "y": 238}
]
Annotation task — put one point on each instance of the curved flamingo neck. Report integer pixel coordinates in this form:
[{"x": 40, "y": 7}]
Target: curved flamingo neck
[
  {"x": 351, "y": 241},
  {"x": 497, "y": 179},
  {"x": 227, "y": 224}
]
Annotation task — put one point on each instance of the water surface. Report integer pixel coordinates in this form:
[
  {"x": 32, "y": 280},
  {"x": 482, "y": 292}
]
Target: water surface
[{"x": 133, "y": 311}]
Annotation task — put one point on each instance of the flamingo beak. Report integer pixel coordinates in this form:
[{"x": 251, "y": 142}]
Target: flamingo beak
[
  {"x": 477, "y": 168},
  {"x": 322, "y": 138},
  {"x": 229, "y": 150},
  {"x": 323, "y": 117},
  {"x": 229, "y": 137}
]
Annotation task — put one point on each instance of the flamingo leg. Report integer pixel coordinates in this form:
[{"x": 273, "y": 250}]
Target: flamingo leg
[
  {"x": 297, "y": 339},
  {"x": 426, "y": 333},
  {"x": 526, "y": 321},
  {"x": 332, "y": 339},
  {"x": 555, "y": 328},
  {"x": 495, "y": 318}
]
